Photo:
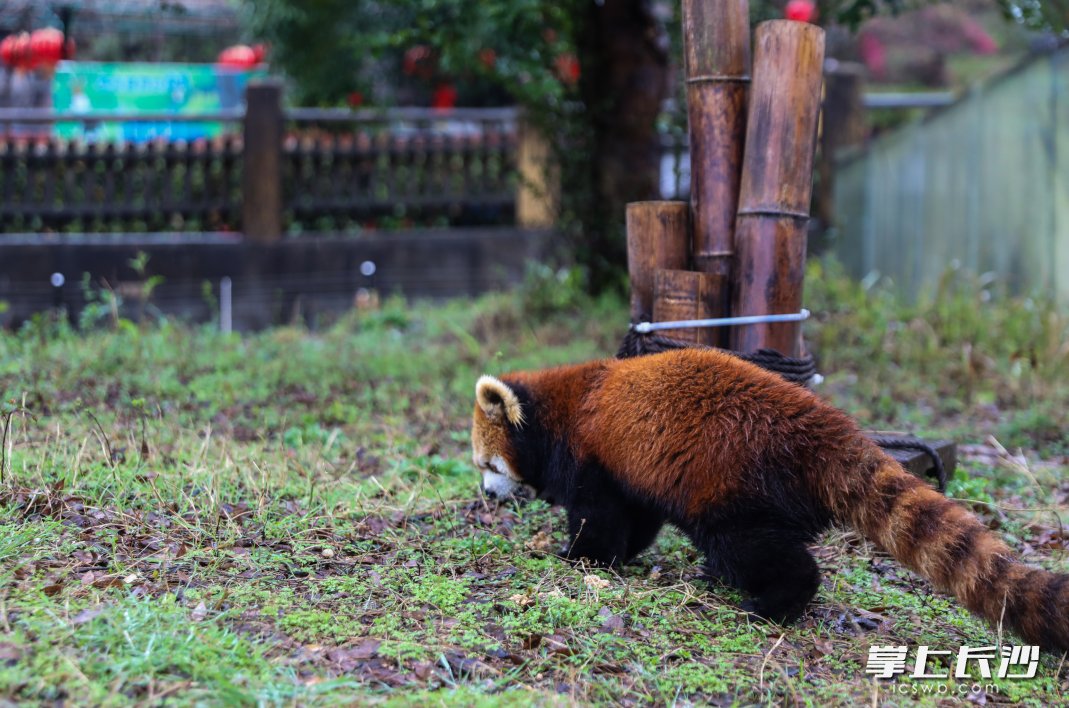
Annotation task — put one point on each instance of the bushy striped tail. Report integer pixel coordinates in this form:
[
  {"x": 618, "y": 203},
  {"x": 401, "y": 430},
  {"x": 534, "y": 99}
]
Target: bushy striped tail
[{"x": 942, "y": 541}]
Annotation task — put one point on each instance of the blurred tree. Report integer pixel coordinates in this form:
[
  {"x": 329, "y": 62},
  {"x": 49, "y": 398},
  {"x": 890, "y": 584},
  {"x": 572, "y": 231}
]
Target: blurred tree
[{"x": 592, "y": 74}]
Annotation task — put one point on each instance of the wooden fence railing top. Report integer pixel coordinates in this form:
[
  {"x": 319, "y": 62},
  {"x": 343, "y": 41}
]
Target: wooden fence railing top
[
  {"x": 309, "y": 115},
  {"x": 282, "y": 171}
]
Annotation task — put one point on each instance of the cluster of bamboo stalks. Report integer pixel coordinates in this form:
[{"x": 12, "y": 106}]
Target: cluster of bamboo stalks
[{"x": 738, "y": 248}]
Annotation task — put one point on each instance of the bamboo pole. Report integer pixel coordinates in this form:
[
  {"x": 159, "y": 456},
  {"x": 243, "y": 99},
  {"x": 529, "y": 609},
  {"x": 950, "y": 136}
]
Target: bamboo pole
[
  {"x": 842, "y": 125},
  {"x": 777, "y": 183},
  {"x": 684, "y": 295},
  {"x": 657, "y": 237},
  {"x": 716, "y": 39}
]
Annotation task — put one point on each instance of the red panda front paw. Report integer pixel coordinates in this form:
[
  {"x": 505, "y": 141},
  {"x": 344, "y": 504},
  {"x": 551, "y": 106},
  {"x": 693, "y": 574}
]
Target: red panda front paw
[
  {"x": 754, "y": 610},
  {"x": 781, "y": 611}
]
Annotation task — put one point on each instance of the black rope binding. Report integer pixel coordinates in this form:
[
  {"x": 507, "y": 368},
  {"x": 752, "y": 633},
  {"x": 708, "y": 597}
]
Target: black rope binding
[
  {"x": 894, "y": 442},
  {"x": 797, "y": 371}
]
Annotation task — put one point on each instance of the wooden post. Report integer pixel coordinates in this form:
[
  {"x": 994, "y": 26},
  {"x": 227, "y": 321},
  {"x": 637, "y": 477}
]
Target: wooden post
[
  {"x": 657, "y": 237},
  {"x": 777, "y": 182},
  {"x": 716, "y": 40},
  {"x": 538, "y": 191},
  {"x": 684, "y": 295},
  {"x": 261, "y": 211},
  {"x": 842, "y": 125}
]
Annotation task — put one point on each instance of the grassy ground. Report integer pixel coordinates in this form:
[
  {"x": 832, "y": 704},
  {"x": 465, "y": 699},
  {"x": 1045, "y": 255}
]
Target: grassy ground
[{"x": 293, "y": 518}]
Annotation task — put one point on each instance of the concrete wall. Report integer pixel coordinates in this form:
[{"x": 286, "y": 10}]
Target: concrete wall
[{"x": 298, "y": 278}]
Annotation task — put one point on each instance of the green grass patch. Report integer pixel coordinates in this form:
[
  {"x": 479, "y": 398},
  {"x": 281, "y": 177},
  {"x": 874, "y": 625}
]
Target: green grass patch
[{"x": 292, "y": 517}]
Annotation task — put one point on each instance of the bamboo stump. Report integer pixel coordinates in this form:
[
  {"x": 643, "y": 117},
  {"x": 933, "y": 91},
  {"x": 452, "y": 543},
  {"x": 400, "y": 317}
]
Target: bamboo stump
[
  {"x": 684, "y": 295},
  {"x": 657, "y": 238}
]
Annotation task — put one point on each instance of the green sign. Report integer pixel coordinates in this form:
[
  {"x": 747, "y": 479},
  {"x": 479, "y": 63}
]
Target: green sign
[{"x": 185, "y": 89}]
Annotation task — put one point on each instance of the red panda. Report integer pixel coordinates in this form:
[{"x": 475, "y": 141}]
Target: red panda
[{"x": 752, "y": 468}]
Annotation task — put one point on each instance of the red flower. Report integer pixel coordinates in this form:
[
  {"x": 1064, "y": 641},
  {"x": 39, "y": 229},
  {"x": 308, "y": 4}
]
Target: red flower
[
  {"x": 418, "y": 58},
  {"x": 873, "y": 54},
  {"x": 981, "y": 41},
  {"x": 567, "y": 66},
  {"x": 445, "y": 97}
]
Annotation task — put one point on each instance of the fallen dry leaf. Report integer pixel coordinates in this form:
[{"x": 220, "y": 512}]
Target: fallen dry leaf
[
  {"x": 521, "y": 599},
  {"x": 596, "y": 582},
  {"x": 86, "y": 615},
  {"x": 610, "y": 622},
  {"x": 541, "y": 542}
]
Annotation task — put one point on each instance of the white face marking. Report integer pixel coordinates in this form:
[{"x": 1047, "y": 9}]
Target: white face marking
[
  {"x": 499, "y": 486},
  {"x": 499, "y": 481},
  {"x": 497, "y": 462}
]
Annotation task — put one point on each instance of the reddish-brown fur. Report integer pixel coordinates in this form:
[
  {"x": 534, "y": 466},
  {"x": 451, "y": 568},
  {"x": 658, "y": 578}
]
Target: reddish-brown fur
[{"x": 733, "y": 454}]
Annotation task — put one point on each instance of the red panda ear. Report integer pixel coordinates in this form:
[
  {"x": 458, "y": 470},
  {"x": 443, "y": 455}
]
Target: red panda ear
[{"x": 498, "y": 400}]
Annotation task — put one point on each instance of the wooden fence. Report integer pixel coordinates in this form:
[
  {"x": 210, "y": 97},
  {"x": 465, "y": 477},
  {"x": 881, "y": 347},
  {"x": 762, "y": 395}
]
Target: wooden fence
[
  {"x": 55, "y": 186},
  {"x": 402, "y": 170},
  {"x": 983, "y": 183},
  {"x": 285, "y": 172}
]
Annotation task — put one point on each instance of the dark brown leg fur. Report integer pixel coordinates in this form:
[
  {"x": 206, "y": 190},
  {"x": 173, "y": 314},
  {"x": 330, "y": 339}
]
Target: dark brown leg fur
[
  {"x": 773, "y": 566},
  {"x": 605, "y": 524},
  {"x": 646, "y": 524}
]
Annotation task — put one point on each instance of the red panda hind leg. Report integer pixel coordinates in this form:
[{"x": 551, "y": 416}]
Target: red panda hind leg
[
  {"x": 643, "y": 533},
  {"x": 772, "y": 565}
]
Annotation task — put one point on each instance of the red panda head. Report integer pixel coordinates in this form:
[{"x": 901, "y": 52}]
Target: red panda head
[{"x": 497, "y": 413}]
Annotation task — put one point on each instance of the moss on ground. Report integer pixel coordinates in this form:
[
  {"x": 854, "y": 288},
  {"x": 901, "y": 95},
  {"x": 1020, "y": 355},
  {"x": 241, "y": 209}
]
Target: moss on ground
[{"x": 291, "y": 517}]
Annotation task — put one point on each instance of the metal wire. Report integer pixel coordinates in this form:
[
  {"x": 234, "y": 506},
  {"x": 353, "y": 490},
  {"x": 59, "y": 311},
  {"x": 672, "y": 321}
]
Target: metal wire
[{"x": 647, "y": 327}]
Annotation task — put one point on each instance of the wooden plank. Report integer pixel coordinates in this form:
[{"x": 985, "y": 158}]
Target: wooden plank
[
  {"x": 262, "y": 172},
  {"x": 919, "y": 462}
]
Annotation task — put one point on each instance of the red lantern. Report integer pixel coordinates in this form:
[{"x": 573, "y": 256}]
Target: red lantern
[
  {"x": 800, "y": 11},
  {"x": 7, "y": 50},
  {"x": 46, "y": 47},
  {"x": 15, "y": 51},
  {"x": 238, "y": 57},
  {"x": 21, "y": 51}
]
